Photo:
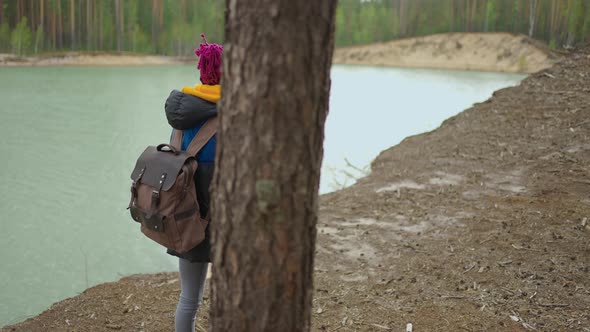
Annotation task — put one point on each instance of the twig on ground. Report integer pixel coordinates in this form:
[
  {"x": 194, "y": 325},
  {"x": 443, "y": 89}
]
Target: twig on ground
[
  {"x": 507, "y": 290},
  {"x": 452, "y": 297},
  {"x": 552, "y": 305},
  {"x": 383, "y": 327},
  {"x": 470, "y": 267},
  {"x": 487, "y": 239}
]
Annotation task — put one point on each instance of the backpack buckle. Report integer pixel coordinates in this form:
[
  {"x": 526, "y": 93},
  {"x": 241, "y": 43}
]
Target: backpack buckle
[
  {"x": 156, "y": 193},
  {"x": 155, "y": 199}
]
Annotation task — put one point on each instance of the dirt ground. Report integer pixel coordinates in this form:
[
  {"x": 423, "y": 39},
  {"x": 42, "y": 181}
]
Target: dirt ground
[
  {"x": 480, "y": 225},
  {"x": 499, "y": 52}
]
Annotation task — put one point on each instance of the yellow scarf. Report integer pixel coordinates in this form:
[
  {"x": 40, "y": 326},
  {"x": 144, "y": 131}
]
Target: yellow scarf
[{"x": 210, "y": 93}]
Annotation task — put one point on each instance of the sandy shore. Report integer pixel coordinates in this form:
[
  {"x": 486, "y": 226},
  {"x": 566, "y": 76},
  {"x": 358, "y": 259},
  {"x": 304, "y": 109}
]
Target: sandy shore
[
  {"x": 89, "y": 59},
  {"x": 498, "y": 52}
]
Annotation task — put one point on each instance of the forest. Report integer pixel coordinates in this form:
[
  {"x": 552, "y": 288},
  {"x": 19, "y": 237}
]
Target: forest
[{"x": 172, "y": 27}]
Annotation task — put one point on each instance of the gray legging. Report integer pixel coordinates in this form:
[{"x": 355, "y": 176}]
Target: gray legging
[{"x": 192, "y": 286}]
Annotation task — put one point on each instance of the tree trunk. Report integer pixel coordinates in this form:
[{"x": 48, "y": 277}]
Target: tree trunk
[
  {"x": 468, "y": 17},
  {"x": 195, "y": 10},
  {"x": 2, "y": 11},
  {"x": 53, "y": 28},
  {"x": 452, "y": 17},
  {"x": 472, "y": 26},
  {"x": 122, "y": 16},
  {"x": 60, "y": 29},
  {"x": 73, "y": 24},
  {"x": 552, "y": 22},
  {"x": 403, "y": 18},
  {"x": 265, "y": 197},
  {"x": 33, "y": 20},
  {"x": 100, "y": 27},
  {"x": 95, "y": 26},
  {"x": 118, "y": 24},
  {"x": 88, "y": 25},
  {"x": 155, "y": 26},
  {"x": 531, "y": 18},
  {"x": 41, "y": 21},
  {"x": 18, "y": 12}
]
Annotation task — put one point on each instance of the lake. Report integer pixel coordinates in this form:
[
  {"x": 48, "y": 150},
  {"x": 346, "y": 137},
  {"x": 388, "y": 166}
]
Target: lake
[{"x": 70, "y": 137}]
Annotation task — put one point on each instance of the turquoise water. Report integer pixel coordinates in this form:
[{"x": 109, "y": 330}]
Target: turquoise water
[{"x": 70, "y": 137}]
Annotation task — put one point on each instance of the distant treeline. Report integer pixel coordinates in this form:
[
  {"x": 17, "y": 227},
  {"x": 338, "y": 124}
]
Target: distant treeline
[
  {"x": 557, "y": 22},
  {"x": 143, "y": 26},
  {"x": 172, "y": 27}
]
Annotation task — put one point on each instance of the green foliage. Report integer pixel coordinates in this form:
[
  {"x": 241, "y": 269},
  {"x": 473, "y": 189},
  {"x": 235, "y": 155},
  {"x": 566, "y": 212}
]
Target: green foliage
[
  {"x": 4, "y": 37},
  {"x": 140, "y": 41},
  {"x": 491, "y": 16},
  {"x": 38, "y": 40},
  {"x": 173, "y": 26},
  {"x": 21, "y": 38},
  {"x": 575, "y": 20},
  {"x": 586, "y": 24}
]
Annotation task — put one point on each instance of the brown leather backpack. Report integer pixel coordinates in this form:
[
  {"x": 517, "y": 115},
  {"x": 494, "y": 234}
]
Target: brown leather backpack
[{"x": 163, "y": 194}]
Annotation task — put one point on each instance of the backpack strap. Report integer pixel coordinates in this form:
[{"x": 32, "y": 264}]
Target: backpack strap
[
  {"x": 176, "y": 140},
  {"x": 205, "y": 133}
]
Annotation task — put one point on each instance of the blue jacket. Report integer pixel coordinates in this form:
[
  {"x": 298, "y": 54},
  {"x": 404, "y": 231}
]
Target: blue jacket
[{"x": 207, "y": 153}]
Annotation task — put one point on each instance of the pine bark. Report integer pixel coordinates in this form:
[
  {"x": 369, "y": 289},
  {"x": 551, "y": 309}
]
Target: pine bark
[
  {"x": 60, "y": 35},
  {"x": 118, "y": 26},
  {"x": 72, "y": 25},
  {"x": 88, "y": 25},
  {"x": 403, "y": 18},
  {"x": 155, "y": 25},
  {"x": 42, "y": 21},
  {"x": 276, "y": 83},
  {"x": 531, "y": 18}
]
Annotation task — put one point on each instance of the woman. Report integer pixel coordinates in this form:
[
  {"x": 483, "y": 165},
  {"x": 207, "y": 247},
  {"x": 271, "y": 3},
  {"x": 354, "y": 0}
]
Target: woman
[{"x": 188, "y": 110}]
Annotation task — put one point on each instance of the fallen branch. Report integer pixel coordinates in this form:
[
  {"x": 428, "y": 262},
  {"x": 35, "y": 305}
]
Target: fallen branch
[
  {"x": 452, "y": 297},
  {"x": 487, "y": 239},
  {"x": 470, "y": 268},
  {"x": 383, "y": 327},
  {"x": 552, "y": 305}
]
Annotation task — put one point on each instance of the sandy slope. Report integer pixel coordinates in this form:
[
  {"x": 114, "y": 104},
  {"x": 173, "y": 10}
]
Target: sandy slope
[{"x": 500, "y": 52}]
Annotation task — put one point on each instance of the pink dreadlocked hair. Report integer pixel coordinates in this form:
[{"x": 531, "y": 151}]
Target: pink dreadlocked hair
[{"x": 209, "y": 62}]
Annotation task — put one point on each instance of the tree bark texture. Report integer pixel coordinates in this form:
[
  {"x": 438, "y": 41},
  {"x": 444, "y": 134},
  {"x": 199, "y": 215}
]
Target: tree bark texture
[
  {"x": 275, "y": 88},
  {"x": 73, "y": 24},
  {"x": 88, "y": 25},
  {"x": 531, "y": 18},
  {"x": 118, "y": 26}
]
